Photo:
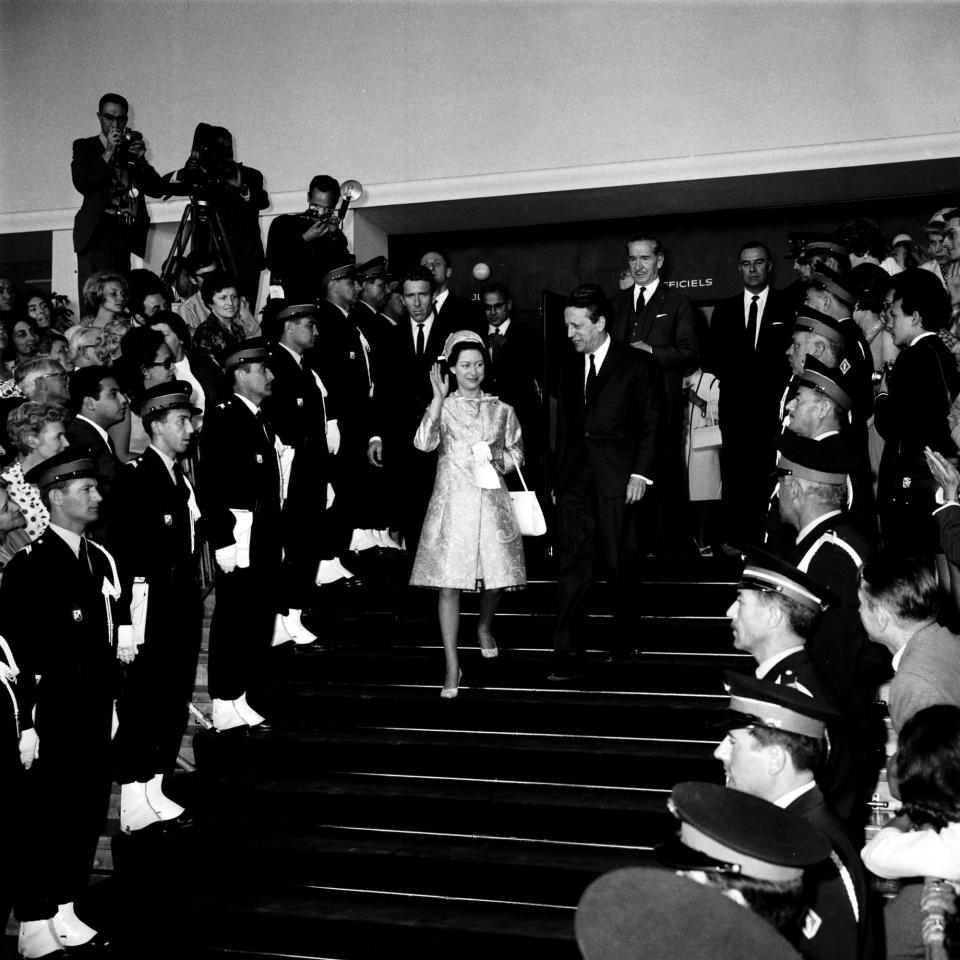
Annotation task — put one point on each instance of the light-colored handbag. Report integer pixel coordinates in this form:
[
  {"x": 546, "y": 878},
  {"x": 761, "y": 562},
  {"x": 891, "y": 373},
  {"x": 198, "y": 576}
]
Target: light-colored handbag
[
  {"x": 527, "y": 508},
  {"x": 704, "y": 431}
]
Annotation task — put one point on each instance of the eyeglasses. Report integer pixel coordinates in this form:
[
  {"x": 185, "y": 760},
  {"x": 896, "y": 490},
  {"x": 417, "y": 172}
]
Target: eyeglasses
[
  {"x": 166, "y": 364},
  {"x": 118, "y": 118}
]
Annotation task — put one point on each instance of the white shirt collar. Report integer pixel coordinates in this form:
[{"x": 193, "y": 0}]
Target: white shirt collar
[
  {"x": 441, "y": 299},
  {"x": 920, "y": 336},
  {"x": 249, "y": 404},
  {"x": 167, "y": 462},
  {"x": 827, "y": 433},
  {"x": 346, "y": 313},
  {"x": 293, "y": 353},
  {"x": 812, "y": 524},
  {"x": 598, "y": 356},
  {"x": 649, "y": 290},
  {"x": 96, "y": 426},
  {"x": 71, "y": 539},
  {"x": 788, "y": 798},
  {"x": 501, "y": 329},
  {"x": 897, "y": 657},
  {"x": 764, "y": 668},
  {"x": 761, "y": 298}
]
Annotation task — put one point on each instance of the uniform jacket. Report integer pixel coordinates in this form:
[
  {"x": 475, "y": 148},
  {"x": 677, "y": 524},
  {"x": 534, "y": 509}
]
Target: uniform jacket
[
  {"x": 668, "y": 324},
  {"x": 93, "y": 178},
  {"x": 54, "y": 616},
  {"x": 619, "y": 433},
  {"x": 239, "y": 470}
]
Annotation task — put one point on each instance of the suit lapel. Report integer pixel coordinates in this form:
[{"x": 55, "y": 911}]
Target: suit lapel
[{"x": 650, "y": 310}]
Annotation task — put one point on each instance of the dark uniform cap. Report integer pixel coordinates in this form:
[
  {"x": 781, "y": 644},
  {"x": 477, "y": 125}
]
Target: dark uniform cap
[
  {"x": 804, "y": 245},
  {"x": 832, "y": 282},
  {"x": 820, "y": 323},
  {"x": 734, "y": 832},
  {"x": 247, "y": 351},
  {"x": 174, "y": 395},
  {"x": 372, "y": 269},
  {"x": 296, "y": 310},
  {"x": 769, "y": 574},
  {"x": 339, "y": 271},
  {"x": 762, "y": 703},
  {"x": 642, "y": 913},
  {"x": 829, "y": 380},
  {"x": 70, "y": 464},
  {"x": 809, "y": 459}
]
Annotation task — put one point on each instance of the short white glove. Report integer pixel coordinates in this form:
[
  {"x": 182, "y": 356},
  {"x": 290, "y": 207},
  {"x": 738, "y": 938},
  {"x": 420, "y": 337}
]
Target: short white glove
[
  {"x": 481, "y": 451},
  {"x": 29, "y": 747},
  {"x": 226, "y": 558},
  {"x": 114, "y": 722},
  {"x": 126, "y": 644},
  {"x": 331, "y": 496},
  {"x": 333, "y": 437}
]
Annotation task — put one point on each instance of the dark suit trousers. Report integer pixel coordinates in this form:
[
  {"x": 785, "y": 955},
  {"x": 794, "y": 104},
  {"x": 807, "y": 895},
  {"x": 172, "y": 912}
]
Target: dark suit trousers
[
  {"x": 68, "y": 794},
  {"x": 594, "y": 530},
  {"x": 108, "y": 249},
  {"x": 158, "y": 684},
  {"x": 241, "y": 629}
]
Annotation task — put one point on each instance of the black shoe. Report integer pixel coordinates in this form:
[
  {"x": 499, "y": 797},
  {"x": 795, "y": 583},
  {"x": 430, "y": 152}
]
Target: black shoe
[
  {"x": 183, "y": 822},
  {"x": 567, "y": 666}
]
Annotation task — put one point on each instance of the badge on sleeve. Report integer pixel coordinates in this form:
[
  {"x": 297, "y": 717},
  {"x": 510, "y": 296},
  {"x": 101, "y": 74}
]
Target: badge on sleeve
[
  {"x": 77, "y": 615},
  {"x": 259, "y": 458},
  {"x": 299, "y": 401},
  {"x": 168, "y": 519}
]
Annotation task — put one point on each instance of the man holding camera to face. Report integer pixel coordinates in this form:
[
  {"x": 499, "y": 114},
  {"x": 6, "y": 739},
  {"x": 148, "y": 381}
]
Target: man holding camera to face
[
  {"x": 112, "y": 173},
  {"x": 301, "y": 247}
]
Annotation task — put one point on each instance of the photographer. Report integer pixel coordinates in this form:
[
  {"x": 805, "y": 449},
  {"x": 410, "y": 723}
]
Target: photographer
[
  {"x": 301, "y": 247},
  {"x": 236, "y": 194},
  {"x": 111, "y": 172}
]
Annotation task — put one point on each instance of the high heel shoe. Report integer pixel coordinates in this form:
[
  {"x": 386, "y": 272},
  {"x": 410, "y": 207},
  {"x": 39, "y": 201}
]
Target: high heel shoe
[
  {"x": 448, "y": 693},
  {"x": 487, "y": 652}
]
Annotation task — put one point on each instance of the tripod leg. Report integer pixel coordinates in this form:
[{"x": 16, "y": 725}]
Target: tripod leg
[{"x": 179, "y": 248}]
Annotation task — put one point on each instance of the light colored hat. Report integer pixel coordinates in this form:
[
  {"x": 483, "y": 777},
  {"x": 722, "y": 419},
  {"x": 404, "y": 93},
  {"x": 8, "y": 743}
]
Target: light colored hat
[{"x": 460, "y": 336}]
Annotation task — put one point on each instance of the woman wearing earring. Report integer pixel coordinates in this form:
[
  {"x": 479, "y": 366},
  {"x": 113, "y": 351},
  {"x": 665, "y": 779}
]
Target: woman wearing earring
[{"x": 470, "y": 539}]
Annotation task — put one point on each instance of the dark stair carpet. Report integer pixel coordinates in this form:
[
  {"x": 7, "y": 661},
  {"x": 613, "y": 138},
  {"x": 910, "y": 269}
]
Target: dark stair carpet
[{"x": 376, "y": 819}]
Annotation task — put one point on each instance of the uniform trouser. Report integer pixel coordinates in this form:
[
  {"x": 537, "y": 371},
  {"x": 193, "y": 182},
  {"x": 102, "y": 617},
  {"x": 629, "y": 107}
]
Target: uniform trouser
[
  {"x": 13, "y": 809},
  {"x": 158, "y": 685},
  {"x": 68, "y": 794},
  {"x": 595, "y": 530},
  {"x": 108, "y": 249},
  {"x": 306, "y": 528},
  {"x": 247, "y": 602}
]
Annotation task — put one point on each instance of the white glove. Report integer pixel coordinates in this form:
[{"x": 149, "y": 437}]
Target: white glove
[
  {"x": 114, "y": 722},
  {"x": 333, "y": 437},
  {"x": 481, "y": 451},
  {"x": 331, "y": 496},
  {"x": 126, "y": 643},
  {"x": 29, "y": 747},
  {"x": 226, "y": 558}
]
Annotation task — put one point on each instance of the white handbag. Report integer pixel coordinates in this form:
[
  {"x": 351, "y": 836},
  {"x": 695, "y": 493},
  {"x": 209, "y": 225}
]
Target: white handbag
[{"x": 527, "y": 509}]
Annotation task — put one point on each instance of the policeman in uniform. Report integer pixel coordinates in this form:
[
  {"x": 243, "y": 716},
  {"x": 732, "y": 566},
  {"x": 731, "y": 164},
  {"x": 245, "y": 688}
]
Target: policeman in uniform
[
  {"x": 60, "y": 614},
  {"x": 152, "y": 533},
  {"x": 239, "y": 489},
  {"x": 747, "y": 847},
  {"x": 776, "y": 738}
]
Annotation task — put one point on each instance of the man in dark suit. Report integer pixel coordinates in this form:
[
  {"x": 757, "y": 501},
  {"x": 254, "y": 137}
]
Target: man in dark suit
[
  {"x": 400, "y": 402},
  {"x": 301, "y": 246},
  {"x": 457, "y": 313},
  {"x": 98, "y": 404},
  {"x": 611, "y": 403},
  {"x": 655, "y": 319},
  {"x": 152, "y": 533},
  {"x": 774, "y": 749},
  {"x": 114, "y": 177},
  {"x": 240, "y": 501},
  {"x": 516, "y": 371},
  {"x": 59, "y": 612},
  {"x": 749, "y": 334}
]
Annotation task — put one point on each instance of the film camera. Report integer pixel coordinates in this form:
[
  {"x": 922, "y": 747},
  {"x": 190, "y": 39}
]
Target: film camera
[
  {"x": 128, "y": 138},
  {"x": 210, "y": 167}
]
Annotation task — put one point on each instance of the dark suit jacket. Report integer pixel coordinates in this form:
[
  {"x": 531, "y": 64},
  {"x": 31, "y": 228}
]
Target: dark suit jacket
[
  {"x": 299, "y": 266},
  {"x": 751, "y": 379},
  {"x": 458, "y": 313},
  {"x": 239, "y": 471},
  {"x": 52, "y": 614},
  {"x": 92, "y": 177},
  {"x": 841, "y": 936},
  {"x": 619, "y": 433},
  {"x": 668, "y": 324},
  {"x": 79, "y": 431},
  {"x": 516, "y": 377}
]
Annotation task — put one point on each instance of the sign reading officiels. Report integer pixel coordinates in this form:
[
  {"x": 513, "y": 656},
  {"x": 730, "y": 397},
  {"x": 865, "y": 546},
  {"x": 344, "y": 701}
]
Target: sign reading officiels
[{"x": 690, "y": 283}]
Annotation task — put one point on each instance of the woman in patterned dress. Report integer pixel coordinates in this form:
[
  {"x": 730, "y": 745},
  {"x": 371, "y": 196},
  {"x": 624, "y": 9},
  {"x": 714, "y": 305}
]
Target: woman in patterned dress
[
  {"x": 470, "y": 539},
  {"x": 37, "y": 431}
]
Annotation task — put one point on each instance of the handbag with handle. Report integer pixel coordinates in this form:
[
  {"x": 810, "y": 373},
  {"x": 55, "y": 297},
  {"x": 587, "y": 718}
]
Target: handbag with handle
[{"x": 530, "y": 517}]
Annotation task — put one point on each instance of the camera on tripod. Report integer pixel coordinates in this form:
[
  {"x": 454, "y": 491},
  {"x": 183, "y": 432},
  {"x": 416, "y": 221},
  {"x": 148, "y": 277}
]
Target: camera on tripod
[{"x": 211, "y": 167}]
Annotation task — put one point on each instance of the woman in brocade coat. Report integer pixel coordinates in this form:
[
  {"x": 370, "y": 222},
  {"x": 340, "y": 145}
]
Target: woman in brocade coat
[{"x": 470, "y": 539}]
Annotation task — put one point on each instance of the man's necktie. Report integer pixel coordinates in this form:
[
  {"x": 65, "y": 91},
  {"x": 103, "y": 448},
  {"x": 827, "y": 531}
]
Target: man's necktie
[
  {"x": 496, "y": 341},
  {"x": 267, "y": 429},
  {"x": 420, "y": 344},
  {"x": 591, "y": 383},
  {"x": 179, "y": 481},
  {"x": 752, "y": 322},
  {"x": 641, "y": 300},
  {"x": 84, "y": 556}
]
